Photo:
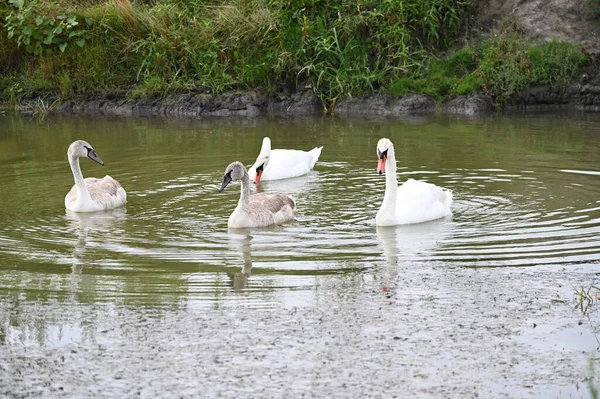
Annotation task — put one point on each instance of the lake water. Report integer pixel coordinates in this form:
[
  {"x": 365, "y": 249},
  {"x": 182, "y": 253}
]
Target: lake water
[{"x": 525, "y": 232}]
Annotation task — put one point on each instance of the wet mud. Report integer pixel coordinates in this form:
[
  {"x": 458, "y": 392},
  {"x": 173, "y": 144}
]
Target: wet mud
[{"x": 406, "y": 331}]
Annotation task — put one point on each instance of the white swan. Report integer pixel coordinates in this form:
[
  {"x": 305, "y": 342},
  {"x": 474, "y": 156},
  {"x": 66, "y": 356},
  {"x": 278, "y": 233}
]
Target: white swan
[
  {"x": 414, "y": 201},
  {"x": 282, "y": 164},
  {"x": 256, "y": 210},
  {"x": 91, "y": 194}
]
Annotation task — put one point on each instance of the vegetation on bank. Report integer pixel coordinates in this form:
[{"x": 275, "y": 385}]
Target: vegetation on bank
[{"x": 68, "y": 48}]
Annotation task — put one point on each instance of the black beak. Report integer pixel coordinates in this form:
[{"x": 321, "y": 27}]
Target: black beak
[
  {"x": 94, "y": 157},
  {"x": 226, "y": 181},
  {"x": 382, "y": 159},
  {"x": 259, "y": 172}
]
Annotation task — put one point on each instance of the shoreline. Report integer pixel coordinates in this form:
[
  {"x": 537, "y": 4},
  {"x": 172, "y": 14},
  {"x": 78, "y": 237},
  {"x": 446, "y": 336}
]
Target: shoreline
[{"x": 251, "y": 104}]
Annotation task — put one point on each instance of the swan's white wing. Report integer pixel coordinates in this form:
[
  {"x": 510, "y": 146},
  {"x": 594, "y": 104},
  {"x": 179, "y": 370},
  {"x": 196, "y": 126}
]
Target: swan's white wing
[
  {"x": 419, "y": 202},
  {"x": 288, "y": 163}
]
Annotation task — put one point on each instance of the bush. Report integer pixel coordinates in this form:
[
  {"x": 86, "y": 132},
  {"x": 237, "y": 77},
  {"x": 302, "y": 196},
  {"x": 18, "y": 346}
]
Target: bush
[
  {"x": 500, "y": 66},
  {"x": 510, "y": 63}
]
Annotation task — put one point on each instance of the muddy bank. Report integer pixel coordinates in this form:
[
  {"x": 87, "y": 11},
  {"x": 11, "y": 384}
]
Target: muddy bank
[
  {"x": 581, "y": 97},
  {"x": 415, "y": 332}
]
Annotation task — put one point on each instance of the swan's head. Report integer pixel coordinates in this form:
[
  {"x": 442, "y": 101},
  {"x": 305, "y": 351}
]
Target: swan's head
[
  {"x": 262, "y": 161},
  {"x": 383, "y": 149},
  {"x": 235, "y": 171},
  {"x": 83, "y": 149},
  {"x": 259, "y": 167},
  {"x": 266, "y": 145}
]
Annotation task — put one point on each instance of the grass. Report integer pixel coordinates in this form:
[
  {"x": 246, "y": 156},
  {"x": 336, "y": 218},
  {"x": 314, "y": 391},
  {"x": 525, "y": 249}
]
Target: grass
[
  {"x": 594, "y": 390},
  {"x": 500, "y": 66},
  {"x": 584, "y": 300},
  {"x": 336, "y": 49}
]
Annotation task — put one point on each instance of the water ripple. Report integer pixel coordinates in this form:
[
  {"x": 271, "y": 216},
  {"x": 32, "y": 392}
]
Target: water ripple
[{"x": 172, "y": 237}]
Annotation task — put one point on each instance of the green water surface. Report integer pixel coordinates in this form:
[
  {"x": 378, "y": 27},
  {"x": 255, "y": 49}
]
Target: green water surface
[{"x": 526, "y": 193}]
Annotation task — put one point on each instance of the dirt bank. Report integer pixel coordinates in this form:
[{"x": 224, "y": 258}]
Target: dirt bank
[
  {"x": 581, "y": 97},
  {"x": 565, "y": 20},
  {"x": 252, "y": 104}
]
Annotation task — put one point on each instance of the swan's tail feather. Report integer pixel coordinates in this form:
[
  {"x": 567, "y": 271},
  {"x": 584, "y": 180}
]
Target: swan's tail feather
[
  {"x": 447, "y": 197},
  {"x": 316, "y": 153},
  {"x": 292, "y": 203}
]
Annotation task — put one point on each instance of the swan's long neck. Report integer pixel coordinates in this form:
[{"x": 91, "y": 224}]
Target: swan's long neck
[
  {"x": 388, "y": 206},
  {"x": 265, "y": 149},
  {"x": 244, "y": 202},
  {"x": 265, "y": 153},
  {"x": 82, "y": 191}
]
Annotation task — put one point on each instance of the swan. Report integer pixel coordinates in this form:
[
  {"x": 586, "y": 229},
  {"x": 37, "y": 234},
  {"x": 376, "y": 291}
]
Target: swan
[
  {"x": 91, "y": 194},
  {"x": 282, "y": 164},
  {"x": 256, "y": 210},
  {"x": 414, "y": 201}
]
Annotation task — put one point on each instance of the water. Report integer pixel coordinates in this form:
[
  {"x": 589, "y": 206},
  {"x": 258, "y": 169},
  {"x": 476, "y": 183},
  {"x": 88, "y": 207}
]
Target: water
[{"x": 526, "y": 225}]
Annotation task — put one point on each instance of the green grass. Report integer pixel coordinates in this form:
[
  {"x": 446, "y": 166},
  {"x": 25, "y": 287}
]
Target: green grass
[
  {"x": 585, "y": 298},
  {"x": 149, "y": 49},
  {"x": 500, "y": 66}
]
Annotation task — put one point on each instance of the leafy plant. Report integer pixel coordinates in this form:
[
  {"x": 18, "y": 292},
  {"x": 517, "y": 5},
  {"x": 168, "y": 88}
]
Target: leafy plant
[{"x": 41, "y": 34}]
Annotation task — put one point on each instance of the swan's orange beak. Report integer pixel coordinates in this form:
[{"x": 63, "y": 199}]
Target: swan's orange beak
[
  {"x": 259, "y": 172},
  {"x": 381, "y": 165}
]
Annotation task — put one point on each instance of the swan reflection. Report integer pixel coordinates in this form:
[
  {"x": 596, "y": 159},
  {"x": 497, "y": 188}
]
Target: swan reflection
[
  {"x": 413, "y": 241},
  {"x": 85, "y": 224},
  {"x": 240, "y": 241}
]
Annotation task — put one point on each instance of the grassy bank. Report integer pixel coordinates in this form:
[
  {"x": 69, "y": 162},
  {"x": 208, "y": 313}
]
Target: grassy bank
[{"x": 70, "y": 48}]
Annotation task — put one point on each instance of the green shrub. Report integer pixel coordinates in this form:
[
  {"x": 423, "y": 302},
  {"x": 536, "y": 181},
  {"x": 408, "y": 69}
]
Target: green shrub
[
  {"x": 402, "y": 86},
  {"x": 556, "y": 62},
  {"x": 39, "y": 31},
  {"x": 500, "y": 66},
  {"x": 469, "y": 84},
  {"x": 510, "y": 63}
]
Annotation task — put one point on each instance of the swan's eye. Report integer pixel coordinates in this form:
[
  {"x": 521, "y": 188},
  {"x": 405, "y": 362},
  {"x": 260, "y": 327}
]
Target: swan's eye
[
  {"x": 382, "y": 154},
  {"x": 260, "y": 168},
  {"x": 88, "y": 149}
]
